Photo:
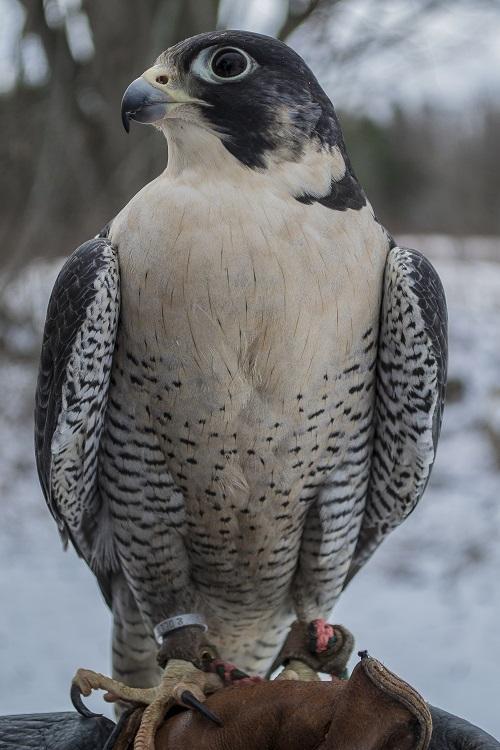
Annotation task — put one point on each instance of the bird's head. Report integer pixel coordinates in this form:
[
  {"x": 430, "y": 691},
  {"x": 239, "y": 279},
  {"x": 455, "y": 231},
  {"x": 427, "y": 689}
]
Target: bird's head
[{"x": 252, "y": 91}]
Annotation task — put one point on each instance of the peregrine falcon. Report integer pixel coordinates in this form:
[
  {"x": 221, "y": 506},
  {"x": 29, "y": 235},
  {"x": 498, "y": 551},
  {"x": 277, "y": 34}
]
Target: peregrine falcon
[{"x": 242, "y": 377}]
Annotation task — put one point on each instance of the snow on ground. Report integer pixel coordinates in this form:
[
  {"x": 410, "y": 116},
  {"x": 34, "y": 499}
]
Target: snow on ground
[{"x": 428, "y": 603}]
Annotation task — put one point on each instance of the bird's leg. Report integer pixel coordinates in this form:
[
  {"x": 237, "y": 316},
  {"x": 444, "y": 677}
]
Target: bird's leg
[
  {"x": 314, "y": 647},
  {"x": 134, "y": 649},
  {"x": 182, "y": 683},
  {"x": 183, "y": 655}
]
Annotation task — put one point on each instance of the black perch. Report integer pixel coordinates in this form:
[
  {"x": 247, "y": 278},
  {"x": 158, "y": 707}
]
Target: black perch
[{"x": 70, "y": 731}]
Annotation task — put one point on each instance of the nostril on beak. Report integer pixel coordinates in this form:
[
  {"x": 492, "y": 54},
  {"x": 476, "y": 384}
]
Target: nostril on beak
[{"x": 162, "y": 79}]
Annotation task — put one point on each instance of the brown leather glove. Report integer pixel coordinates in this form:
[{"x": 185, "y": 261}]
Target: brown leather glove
[{"x": 373, "y": 710}]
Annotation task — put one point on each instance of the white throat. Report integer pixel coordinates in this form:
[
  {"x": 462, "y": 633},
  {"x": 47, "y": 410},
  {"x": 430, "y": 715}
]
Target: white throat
[
  {"x": 196, "y": 152},
  {"x": 192, "y": 147}
]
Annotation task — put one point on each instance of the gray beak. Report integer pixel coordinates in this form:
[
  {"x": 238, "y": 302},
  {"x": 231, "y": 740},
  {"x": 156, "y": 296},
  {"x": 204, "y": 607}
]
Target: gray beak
[{"x": 143, "y": 102}]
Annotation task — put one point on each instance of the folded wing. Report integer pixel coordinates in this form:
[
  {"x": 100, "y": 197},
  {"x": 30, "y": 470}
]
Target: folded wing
[
  {"x": 411, "y": 378},
  {"x": 71, "y": 395}
]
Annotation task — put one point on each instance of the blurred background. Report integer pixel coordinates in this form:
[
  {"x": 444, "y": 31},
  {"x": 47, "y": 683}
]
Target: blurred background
[{"x": 417, "y": 85}]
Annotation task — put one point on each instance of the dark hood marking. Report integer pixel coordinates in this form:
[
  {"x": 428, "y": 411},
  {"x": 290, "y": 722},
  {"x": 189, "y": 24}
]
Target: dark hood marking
[{"x": 278, "y": 109}]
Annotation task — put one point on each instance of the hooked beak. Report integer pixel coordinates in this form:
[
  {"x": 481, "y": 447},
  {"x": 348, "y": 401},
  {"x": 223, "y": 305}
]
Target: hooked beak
[
  {"x": 149, "y": 97},
  {"x": 143, "y": 102}
]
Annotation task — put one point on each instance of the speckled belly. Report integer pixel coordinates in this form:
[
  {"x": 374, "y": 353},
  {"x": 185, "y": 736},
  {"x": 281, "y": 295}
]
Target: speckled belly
[
  {"x": 243, "y": 378},
  {"x": 232, "y": 466}
]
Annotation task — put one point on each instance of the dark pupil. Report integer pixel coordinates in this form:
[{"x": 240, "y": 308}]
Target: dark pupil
[{"x": 228, "y": 63}]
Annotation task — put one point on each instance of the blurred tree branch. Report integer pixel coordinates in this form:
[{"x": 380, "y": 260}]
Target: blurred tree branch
[
  {"x": 68, "y": 167},
  {"x": 297, "y": 18}
]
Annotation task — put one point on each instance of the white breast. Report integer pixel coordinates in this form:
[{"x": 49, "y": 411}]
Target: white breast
[
  {"x": 249, "y": 299},
  {"x": 253, "y": 307},
  {"x": 241, "y": 281}
]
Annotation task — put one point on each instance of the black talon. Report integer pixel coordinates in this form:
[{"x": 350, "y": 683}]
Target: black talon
[
  {"x": 79, "y": 705},
  {"x": 188, "y": 698}
]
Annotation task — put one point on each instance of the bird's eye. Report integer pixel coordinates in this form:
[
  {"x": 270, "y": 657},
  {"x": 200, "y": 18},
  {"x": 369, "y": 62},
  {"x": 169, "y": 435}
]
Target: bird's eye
[
  {"x": 229, "y": 63},
  {"x": 218, "y": 65}
]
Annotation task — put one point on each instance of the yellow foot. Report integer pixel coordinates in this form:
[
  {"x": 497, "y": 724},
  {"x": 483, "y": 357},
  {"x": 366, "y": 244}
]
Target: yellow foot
[
  {"x": 181, "y": 683},
  {"x": 297, "y": 670}
]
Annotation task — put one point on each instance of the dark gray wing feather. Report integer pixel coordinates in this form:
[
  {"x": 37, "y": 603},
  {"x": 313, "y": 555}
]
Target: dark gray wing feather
[
  {"x": 71, "y": 394},
  {"x": 411, "y": 380}
]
